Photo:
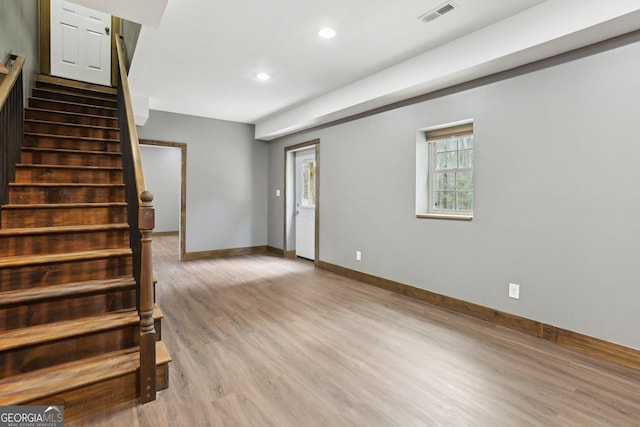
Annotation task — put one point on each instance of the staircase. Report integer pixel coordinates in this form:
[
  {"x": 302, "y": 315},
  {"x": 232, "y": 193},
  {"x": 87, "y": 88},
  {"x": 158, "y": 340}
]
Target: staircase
[{"x": 69, "y": 325}]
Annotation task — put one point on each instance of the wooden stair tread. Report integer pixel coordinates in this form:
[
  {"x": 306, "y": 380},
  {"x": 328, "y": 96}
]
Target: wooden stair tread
[
  {"x": 23, "y": 296},
  {"x": 63, "y": 205},
  {"x": 28, "y": 387},
  {"x": 63, "y": 103},
  {"x": 77, "y": 125},
  {"x": 84, "y": 138},
  {"x": 88, "y": 99},
  {"x": 61, "y": 229},
  {"x": 69, "y": 113},
  {"x": 25, "y": 260},
  {"x": 162, "y": 354},
  {"x": 157, "y": 313},
  {"x": 69, "y": 151},
  {"x": 32, "y": 335},
  {"x": 62, "y": 184},
  {"x": 62, "y": 91},
  {"x": 40, "y": 166},
  {"x": 74, "y": 84}
]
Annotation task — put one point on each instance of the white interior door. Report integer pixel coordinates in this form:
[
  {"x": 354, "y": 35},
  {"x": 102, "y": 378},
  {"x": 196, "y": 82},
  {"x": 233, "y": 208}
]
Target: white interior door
[
  {"x": 306, "y": 204},
  {"x": 80, "y": 43}
]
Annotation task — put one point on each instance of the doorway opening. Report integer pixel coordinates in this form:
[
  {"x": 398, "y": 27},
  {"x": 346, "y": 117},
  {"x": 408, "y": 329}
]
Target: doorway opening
[
  {"x": 302, "y": 202},
  {"x": 167, "y": 170}
]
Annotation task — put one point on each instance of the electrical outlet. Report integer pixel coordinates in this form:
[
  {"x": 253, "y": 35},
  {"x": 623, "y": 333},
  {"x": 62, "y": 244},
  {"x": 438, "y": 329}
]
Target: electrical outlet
[
  {"x": 277, "y": 193},
  {"x": 358, "y": 256},
  {"x": 514, "y": 291}
]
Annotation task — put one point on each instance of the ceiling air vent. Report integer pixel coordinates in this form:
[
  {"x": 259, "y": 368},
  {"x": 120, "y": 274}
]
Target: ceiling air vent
[{"x": 437, "y": 12}]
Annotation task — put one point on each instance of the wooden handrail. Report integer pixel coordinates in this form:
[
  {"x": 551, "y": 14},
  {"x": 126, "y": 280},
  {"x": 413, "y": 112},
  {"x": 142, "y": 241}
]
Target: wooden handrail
[
  {"x": 141, "y": 222},
  {"x": 131, "y": 124},
  {"x": 6, "y": 85}
]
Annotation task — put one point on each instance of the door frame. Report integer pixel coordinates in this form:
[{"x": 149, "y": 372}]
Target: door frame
[
  {"x": 289, "y": 197},
  {"x": 182, "y": 234},
  {"x": 45, "y": 42}
]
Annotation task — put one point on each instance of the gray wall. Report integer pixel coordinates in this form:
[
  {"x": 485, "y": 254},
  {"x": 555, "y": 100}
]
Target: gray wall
[
  {"x": 130, "y": 32},
  {"x": 162, "y": 173},
  {"x": 226, "y": 179},
  {"x": 19, "y": 33},
  {"x": 557, "y": 195}
]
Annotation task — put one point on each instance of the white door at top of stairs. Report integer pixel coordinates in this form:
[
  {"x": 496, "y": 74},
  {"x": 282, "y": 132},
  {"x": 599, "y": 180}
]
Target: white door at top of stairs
[{"x": 80, "y": 43}]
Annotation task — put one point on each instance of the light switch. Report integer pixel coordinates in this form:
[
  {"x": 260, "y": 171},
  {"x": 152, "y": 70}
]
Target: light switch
[{"x": 277, "y": 193}]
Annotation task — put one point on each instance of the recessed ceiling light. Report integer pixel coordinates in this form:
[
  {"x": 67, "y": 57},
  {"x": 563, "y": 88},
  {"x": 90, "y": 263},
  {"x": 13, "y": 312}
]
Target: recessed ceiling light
[
  {"x": 263, "y": 76},
  {"x": 327, "y": 33}
]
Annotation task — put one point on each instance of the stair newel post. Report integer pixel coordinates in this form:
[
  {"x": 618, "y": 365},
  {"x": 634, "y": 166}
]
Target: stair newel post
[{"x": 147, "y": 377}]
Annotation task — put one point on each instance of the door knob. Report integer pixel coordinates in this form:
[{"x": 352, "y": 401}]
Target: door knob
[{"x": 106, "y": 30}]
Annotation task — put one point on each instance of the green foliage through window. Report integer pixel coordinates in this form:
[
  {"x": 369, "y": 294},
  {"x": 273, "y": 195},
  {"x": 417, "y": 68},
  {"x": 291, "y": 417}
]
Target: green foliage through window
[{"x": 451, "y": 174}]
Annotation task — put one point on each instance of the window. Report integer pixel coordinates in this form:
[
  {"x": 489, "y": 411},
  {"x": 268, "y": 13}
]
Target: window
[
  {"x": 308, "y": 198},
  {"x": 444, "y": 172}
]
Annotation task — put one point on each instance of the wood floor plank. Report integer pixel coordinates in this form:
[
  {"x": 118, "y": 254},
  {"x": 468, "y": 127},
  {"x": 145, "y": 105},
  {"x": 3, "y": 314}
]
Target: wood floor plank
[{"x": 265, "y": 341}]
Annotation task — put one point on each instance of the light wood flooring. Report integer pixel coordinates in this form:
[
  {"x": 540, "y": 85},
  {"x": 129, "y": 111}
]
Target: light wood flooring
[{"x": 265, "y": 341}]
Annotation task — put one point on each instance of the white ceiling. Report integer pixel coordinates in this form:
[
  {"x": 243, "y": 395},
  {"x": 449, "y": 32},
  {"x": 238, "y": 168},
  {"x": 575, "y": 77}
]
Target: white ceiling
[{"x": 203, "y": 57}]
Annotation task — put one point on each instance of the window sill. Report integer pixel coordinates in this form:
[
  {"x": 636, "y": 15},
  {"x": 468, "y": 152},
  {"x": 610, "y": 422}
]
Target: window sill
[{"x": 446, "y": 216}]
